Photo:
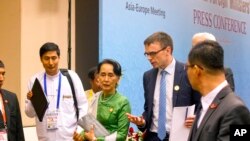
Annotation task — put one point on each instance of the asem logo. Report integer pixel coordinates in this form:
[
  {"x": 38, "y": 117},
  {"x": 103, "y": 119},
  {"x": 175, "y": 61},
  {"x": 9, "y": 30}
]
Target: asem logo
[{"x": 239, "y": 132}]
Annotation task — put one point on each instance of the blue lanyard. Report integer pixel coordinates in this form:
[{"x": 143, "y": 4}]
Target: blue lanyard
[{"x": 58, "y": 92}]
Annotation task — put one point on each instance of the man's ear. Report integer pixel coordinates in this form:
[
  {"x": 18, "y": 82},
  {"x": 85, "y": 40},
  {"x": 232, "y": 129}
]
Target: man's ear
[
  {"x": 196, "y": 67},
  {"x": 198, "y": 70},
  {"x": 168, "y": 49}
]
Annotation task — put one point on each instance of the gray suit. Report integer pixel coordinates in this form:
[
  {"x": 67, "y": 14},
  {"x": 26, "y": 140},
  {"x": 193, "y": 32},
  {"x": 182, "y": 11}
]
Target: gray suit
[{"x": 215, "y": 125}]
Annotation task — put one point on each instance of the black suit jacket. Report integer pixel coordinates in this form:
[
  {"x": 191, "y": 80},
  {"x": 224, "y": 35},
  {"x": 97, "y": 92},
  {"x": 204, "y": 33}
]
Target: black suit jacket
[
  {"x": 230, "y": 77},
  {"x": 13, "y": 116},
  {"x": 228, "y": 110},
  {"x": 185, "y": 96}
]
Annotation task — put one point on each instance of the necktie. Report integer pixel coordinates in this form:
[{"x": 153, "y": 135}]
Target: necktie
[
  {"x": 1, "y": 121},
  {"x": 198, "y": 113},
  {"x": 162, "y": 107}
]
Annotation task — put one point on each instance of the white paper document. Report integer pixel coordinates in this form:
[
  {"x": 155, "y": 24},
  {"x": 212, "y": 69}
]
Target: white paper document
[
  {"x": 179, "y": 132},
  {"x": 87, "y": 121}
]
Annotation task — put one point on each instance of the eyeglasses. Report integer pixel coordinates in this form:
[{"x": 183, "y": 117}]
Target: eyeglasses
[
  {"x": 153, "y": 53},
  {"x": 186, "y": 66}
]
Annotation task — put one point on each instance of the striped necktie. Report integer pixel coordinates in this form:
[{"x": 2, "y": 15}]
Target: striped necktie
[{"x": 162, "y": 107}]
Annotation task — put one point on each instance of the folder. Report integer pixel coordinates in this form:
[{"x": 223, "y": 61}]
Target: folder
[
  {"x": 39, "y": 100},
  {"x": 87, "y": 121}
]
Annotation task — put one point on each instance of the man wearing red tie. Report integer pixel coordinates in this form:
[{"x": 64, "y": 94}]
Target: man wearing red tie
[{"x": 11, "y": 127}]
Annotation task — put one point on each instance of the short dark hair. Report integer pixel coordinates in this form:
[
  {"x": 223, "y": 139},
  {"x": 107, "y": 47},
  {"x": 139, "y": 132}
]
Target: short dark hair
[
  {"x": 163, "y": 38},
  {"x": 49, "y": 46},
  {"x": 92, "y": 72},
  {"x": 1, "y": 64},
  {"x": 208, "y": 54},
  {"x": 116, "y": 66}
]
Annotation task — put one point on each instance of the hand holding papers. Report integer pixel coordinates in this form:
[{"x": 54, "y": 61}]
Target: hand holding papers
[
  {"x": 39, "y": 100},
  {"x": 88, "y": 121},
  {"x": 179, "y": 132}
]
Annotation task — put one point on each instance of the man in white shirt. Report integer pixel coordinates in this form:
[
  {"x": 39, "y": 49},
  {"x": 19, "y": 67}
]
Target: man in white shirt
[{"x": 60, "y": 119}]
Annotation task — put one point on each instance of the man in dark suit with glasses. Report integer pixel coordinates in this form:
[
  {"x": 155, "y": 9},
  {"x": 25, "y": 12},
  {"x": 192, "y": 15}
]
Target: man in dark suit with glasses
[
  {"x": 165, "y": 86},
  {"x": 202, "y": 36}
]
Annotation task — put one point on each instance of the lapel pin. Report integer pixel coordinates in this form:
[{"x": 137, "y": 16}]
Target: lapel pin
[
  {"x": 111, "y": 109},
  {"x": 176, "y": 88},
  {"x": 213, "y": 106},
  {"x": 6, "y": 101}
]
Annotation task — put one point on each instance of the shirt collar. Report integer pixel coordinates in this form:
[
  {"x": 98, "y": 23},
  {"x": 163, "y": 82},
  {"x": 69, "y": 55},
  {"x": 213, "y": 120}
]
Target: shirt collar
[
  {"x": 208, "y": 99},
  {"x": 170, "y": 68},
  {"x": 54, "y": 76}
]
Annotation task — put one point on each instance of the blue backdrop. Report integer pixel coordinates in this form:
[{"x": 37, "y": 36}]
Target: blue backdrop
[{"x": 124, "y": 24}]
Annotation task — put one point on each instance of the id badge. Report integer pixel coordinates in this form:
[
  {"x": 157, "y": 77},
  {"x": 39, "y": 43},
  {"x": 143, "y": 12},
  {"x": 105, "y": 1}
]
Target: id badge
[
  {"x": 3, "y": 135},
  {"x": 52, "y": 118}
]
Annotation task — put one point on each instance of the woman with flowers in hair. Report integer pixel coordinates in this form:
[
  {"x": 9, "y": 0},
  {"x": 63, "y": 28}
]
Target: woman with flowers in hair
[{"x": 108, "y": 106}]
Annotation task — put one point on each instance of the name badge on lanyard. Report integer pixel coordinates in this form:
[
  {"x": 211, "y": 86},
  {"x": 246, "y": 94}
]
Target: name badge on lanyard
[{"x": 52, "y": 116}]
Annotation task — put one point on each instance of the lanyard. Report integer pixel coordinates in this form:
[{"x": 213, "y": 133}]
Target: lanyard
[
  {"x": 58, "y": 92},
  {"x": 3, "y": 110}
]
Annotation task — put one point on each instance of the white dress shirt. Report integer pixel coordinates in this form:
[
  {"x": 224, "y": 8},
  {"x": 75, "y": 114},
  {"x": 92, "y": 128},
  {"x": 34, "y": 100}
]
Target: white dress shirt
[
  {"x": 170, "y": 69},
  {"x": 207, "y": 100},
  {"x": 67, "y": 122}
]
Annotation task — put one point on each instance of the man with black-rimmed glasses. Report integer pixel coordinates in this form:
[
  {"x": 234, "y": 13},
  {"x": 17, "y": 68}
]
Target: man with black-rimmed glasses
[{"x": 178, "y": 92}]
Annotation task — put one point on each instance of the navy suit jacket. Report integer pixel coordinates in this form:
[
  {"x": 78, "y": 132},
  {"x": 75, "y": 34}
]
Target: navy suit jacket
[
  {"x": 13, "y": 116},
  {"x": 228, "y": 110},
  {"x": 185, "y": 96}
]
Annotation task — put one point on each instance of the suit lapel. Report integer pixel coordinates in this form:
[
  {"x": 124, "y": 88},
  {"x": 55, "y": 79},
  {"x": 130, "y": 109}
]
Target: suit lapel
[
  {"x": 177, "y": 79},
  {"x": 152, "y": 85},
  {"x": 6, "y": 108},
  {"x": 215, "y": 104}
]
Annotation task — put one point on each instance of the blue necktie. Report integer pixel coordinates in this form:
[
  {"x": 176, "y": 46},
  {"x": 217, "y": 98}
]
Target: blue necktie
[{"x": 162, "y": 107}]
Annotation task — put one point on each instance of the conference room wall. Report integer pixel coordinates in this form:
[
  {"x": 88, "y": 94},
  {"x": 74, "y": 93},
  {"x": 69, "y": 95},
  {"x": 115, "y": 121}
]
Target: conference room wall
[{"x": 25, "y": 25}]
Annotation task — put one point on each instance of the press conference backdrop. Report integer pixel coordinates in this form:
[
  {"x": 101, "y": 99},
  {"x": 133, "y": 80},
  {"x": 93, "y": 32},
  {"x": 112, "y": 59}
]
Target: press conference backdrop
[{"x": 124, "y": 25}]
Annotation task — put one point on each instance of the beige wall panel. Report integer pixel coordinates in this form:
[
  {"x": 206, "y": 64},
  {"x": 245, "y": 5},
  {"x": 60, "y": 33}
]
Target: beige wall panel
[
  {"x": 10, "y": 43},
  {"x": 25, "y": 25}
]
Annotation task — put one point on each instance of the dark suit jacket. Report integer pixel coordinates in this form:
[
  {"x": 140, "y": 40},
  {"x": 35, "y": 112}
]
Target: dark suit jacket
[
  {"x": 13, "y": 115},
  {"x": 230, "y": 77},
  {"x": 185, "y": 96},
  {"x": 228, "y": 110}
]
